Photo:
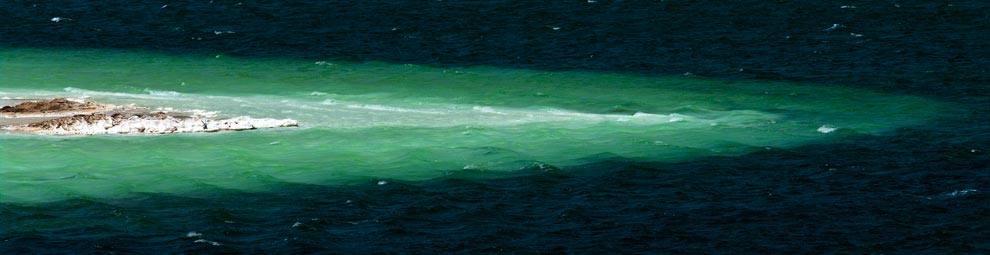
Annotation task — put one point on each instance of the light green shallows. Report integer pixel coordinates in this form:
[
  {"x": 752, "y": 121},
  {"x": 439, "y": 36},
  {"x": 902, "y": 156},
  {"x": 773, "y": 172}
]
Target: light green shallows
[{"x": 368, "y": 122}]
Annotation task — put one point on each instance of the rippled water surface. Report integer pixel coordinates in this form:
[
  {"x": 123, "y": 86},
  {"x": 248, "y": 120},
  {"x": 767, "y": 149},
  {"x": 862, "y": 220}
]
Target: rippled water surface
[{"x": 506, "y": 127}]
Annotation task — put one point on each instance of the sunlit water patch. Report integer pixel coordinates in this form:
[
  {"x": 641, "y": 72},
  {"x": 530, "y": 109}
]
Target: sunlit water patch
[{"x": 383, "y": 122}]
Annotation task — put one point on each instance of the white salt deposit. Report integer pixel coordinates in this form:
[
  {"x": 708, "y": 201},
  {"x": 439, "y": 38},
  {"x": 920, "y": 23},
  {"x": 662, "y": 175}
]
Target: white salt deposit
[{"x": 147, "y": 124}]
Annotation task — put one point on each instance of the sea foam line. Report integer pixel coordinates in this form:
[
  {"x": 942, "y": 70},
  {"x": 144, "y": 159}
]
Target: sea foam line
[{"x": 331, "y": 112}]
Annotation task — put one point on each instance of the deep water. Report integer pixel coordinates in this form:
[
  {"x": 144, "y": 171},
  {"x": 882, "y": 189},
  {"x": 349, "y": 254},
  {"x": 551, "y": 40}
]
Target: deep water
[{"x": 508, "y": 127}]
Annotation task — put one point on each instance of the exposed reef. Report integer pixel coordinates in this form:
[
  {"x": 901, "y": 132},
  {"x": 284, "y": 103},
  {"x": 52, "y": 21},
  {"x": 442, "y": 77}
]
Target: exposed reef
[
  {"x": 68, "y": 117},
  {"x": 54, "y": 105}
]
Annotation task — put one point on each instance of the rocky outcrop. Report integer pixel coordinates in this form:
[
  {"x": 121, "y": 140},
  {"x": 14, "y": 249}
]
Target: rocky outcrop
[
  {"x": 154, "y": 123},
  {"x": 50, "y": 106},
  {"x": 126, "y": 122}
]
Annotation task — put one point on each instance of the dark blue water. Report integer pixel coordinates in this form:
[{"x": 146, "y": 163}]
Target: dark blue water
[{"x": 922, "y": 190}]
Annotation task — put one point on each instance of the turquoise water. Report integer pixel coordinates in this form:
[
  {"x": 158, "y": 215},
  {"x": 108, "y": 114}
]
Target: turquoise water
[{"x": 387, "y": 122}]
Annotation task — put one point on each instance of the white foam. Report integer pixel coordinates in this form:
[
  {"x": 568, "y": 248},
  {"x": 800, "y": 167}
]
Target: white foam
[
  {"x": 207, "y": 241},
  {"x": 825, "y": 129},
  {"x": 162, "y": 92},
  {"x": 953, "y": 194},
  {"x": 375, "y": 107},
  {"x": 487, "y": 109},
  {"x": 202, "y": 113},
  {"x": 833, "y": 27},
  {"x": 77, "y": 100},
  {"x": 152, "y": 94},
  {"x": 960, "y": 192}
]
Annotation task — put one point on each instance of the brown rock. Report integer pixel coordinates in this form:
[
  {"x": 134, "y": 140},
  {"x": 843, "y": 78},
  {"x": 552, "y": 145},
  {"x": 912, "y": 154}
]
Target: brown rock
[
  {"x": 54, "y": 105},
  {"x": 68, "y": 121}
]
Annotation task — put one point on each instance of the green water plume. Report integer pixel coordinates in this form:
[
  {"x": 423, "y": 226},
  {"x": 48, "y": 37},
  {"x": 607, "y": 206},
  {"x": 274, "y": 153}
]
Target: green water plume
[{"x": 371, "y": 122}]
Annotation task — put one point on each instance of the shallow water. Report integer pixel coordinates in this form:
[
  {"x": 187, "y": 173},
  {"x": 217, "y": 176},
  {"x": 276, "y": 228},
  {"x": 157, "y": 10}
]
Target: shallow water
[{"x": 374, "y": 121}]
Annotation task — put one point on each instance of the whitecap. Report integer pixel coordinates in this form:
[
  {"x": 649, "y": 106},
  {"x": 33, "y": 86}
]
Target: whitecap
[
  {"x": 961, "y": 192},
  {"x": 825, "y": 129},
  {"x": 953, "y": 194},
  {"x": 202, "y": 113},
  {"x": 376, "y": 107},
  {"x": 833, "y": 27},
  {"x": 487, "y": 109},
  {"x": 207, "y": 241},
  {"x": 162, "y": 92}
]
